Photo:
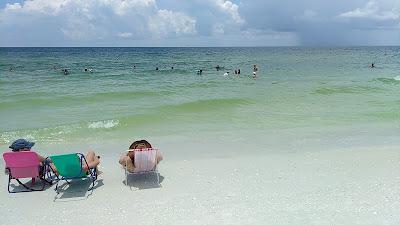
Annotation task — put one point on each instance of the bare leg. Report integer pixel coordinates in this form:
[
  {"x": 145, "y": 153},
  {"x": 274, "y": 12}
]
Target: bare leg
[
  {"x": 92, "y": 161},
  {"x": 127, "y": 161}
]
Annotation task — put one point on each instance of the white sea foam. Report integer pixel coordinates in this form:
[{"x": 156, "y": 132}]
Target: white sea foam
[
  {"x": 103, "y": 124},
  {"x": 397, "y": 78}
]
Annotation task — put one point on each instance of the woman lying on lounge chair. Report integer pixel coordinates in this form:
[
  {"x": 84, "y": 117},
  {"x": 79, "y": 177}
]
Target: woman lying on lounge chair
[
  {"x": 92, "y": 162},
  {"x": 129, "y": 158}
]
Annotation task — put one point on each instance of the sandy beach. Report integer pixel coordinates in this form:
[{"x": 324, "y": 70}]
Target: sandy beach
[{"x": 342, "y": 186}]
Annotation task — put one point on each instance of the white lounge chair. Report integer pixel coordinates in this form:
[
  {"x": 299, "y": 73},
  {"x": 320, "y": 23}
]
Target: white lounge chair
[{"x": 145, "y": 161}]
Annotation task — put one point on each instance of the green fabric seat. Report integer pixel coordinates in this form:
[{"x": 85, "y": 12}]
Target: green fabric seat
[{"x": 70, "y": 166}]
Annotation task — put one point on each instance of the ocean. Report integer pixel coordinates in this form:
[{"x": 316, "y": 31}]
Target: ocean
[{"x": 302, "y": 98}]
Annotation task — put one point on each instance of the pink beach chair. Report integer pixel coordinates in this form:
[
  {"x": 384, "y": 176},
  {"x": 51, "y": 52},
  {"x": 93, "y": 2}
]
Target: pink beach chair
[
  {"x": 145, "y": 162},
  {"x": 23, "y": 165}
]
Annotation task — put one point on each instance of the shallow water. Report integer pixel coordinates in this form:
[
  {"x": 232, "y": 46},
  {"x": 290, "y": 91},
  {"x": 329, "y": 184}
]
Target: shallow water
[{"x": 301, "y": 89}]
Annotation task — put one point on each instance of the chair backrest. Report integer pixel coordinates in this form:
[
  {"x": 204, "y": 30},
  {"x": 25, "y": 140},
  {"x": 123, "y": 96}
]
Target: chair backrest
[
  {"x": 68, "y": 165},
  {"x": 22, "y": 164},
  {"x": 145, "y": 159}
]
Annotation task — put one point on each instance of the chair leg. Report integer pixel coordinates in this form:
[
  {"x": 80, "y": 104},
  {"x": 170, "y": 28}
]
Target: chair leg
[
  {"x": 9, "y": 182},
  {"x": 126, "y": 177},
  {"x": 57, "y": 186}
]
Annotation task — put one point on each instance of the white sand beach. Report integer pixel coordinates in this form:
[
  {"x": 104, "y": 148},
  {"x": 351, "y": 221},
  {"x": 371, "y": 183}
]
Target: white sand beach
[{"x": 341, "y": 186}]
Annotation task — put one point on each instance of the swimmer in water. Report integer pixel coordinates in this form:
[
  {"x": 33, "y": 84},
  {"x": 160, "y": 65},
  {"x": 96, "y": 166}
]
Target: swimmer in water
[
  {"x": 217, "y": 67},
  {"x": 226, "y": 74},
  {"x": 372, "y": 65},
  {"x": 255, "y": 69},
  {"x": 254, "y": 74}
]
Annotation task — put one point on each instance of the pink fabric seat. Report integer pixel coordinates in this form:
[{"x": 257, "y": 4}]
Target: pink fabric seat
[
  {"x": 22, "y": 165},
  {"x": 145, "y": 161}
]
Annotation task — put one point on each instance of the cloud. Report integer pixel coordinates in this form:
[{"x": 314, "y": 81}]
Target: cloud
[
  {"x": 167, "y": 22},
  {"x": 231, "y": 9},
  {"x": 125, "y": 35},
  {"x": 372, "y": 11},
  {"x": 97, "y": 20},
  {"x": 198, "y": 22}
]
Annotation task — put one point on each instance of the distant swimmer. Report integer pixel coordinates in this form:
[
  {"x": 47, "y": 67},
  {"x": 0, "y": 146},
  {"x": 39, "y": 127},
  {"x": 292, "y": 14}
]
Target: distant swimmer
[
  {"x": 372, "y": 65},
  {"x": 86, "y": 69},
  {"x": 226, "y": 74},
  {"x": 254, "y": 74},
  {"x": 134, "y": 67},
  {"x": 172, "y": 67},
  {"x": 156, "y": 68},
  {"x": 11, "y": 69},
  {"x": 218, "y": 67},
  {"x": 238, "y": 71},
  {"x": 255, "y": 69},
  {"x": 90, "y": 70},
  {"x": 66, "y": 72}
]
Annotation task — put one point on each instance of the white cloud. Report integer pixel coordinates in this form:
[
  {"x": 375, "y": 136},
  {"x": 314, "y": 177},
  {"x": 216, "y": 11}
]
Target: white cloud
[
  {"x": 52, "y": 7},
  {"x": 230, "y": 8},
  {"x": 168, "y": 22},
  {"x": 372, "y": 10},
  {"x": 125, "y": 35},
  {"x": 99, "y": 19}
]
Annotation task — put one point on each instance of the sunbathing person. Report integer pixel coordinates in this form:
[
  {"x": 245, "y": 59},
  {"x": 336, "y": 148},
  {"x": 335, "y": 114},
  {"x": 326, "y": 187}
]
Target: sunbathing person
[
  {"x": 21, "y": 145},
  {"x": 92, "y": 162},
  {"x": 129, "y": 158}
]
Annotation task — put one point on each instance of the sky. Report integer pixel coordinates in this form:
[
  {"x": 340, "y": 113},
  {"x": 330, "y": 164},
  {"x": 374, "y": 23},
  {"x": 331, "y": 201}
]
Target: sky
[{"x": 185, "y": 23}]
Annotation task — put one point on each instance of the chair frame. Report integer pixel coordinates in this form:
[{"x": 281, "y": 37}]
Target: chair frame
[
  {"x": 92, "y": 174},
  {"x": 154, "y": 170},
  {"x": 42, "y": 177}
]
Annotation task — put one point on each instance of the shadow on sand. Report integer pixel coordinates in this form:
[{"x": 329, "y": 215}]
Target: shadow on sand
[
  {"x": 76, "y": 190},
  {"x": 143, "y": 181},
  {"x": 15, "y": 187}
]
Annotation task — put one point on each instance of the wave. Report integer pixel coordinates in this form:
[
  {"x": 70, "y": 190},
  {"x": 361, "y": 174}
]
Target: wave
[
  {"x": 50, "y": 100},
  {"x": 346, "y": 90},
  {"x": 59, "y": 133},
  {"x": 103, "y": 124},
  {"x": 393, "y": 80},
  {"x": 206, "y": 105}
]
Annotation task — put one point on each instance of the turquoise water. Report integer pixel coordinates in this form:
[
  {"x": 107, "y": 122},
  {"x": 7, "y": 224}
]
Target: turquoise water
[{"x": 297, "y": 88}]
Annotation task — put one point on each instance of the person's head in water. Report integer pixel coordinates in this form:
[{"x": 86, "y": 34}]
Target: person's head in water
[{"x": 156, "y": 68}]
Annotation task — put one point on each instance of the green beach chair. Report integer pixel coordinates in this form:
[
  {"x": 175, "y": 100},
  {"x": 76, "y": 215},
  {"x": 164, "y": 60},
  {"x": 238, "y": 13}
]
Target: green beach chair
[{"x": 69, "y": 167}]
